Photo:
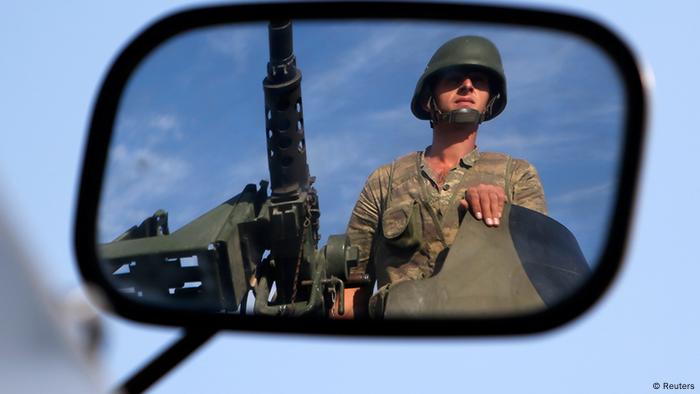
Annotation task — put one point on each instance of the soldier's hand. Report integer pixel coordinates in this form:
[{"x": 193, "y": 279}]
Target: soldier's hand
[{"x": 485, "y": 202}]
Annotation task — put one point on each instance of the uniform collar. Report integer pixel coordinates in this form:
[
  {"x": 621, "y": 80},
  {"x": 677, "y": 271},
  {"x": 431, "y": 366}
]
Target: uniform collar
[
  {"x": 470, "y": 158},
  {"x": 466, "y": 161}
]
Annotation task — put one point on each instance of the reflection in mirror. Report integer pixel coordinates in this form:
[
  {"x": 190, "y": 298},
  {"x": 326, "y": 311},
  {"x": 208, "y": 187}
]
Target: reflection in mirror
[{"x": 204, "y": 115}]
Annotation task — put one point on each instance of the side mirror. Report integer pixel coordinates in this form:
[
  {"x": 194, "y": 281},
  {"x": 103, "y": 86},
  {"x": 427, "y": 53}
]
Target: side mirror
[{"x": 168, "y": 230}]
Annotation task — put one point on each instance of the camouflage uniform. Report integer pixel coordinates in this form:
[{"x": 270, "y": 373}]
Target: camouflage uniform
[{"x": 404, "y": 230}]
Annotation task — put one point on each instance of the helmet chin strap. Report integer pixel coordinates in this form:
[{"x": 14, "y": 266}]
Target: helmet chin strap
[{"x": 462, "y": 116}]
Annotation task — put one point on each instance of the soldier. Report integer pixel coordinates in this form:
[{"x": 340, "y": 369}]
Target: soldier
[{"x": 409, "y": 211}]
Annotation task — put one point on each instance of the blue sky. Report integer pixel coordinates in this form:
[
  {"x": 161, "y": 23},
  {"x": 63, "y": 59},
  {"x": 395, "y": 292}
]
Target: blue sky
[{"x": 644, "y": 330}]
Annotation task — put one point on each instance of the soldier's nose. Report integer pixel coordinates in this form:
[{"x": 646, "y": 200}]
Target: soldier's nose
[{"x": 466, "y": 84}]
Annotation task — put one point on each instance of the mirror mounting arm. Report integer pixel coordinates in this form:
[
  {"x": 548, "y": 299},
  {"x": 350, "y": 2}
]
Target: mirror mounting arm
[{"x": 167, "y": 360}]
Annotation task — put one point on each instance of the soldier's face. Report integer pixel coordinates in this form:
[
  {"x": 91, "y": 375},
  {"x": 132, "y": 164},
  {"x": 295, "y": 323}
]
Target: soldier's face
[{"x": 457, "y": 89}]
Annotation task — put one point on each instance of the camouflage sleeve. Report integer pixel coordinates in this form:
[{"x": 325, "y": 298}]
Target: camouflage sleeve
[
  {"x": 365, "y": 216},
  {"x": 527, "y": 187}
]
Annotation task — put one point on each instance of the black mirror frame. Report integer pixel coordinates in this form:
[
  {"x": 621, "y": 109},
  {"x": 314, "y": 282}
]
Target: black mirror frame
[{"x": 106, "y": 105}]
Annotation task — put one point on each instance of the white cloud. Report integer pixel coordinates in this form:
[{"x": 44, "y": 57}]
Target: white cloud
[
  {"x": 583, "y": 133},
  {"x": 251, "y": 168},
  {"x": 134, "y": 180},
  {"x": 234, "y": 43},
  {"x": 357, "y": 59},
  {"x": 163, "y": 122},
  {"x": 597, "y": 191},
  {"x": 379, "y": 48},
  {"x": 150, "y": 130},
  {"x": 526, "y": 73},
  {"x": 328, "y": 154},
  {"x": 397, "y": 113},
  {"x": 535, "y": 145}
]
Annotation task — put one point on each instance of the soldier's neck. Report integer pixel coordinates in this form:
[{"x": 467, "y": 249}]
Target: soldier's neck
[{"x": 450, "y": 143}]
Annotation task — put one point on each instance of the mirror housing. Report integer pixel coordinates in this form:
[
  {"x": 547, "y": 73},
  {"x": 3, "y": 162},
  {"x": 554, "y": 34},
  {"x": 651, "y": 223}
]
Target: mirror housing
[{"x": 107, "y": 103}]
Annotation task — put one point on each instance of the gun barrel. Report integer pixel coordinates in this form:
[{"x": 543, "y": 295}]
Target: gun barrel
[
  {"x": 286, "y": 145},
  {"x": 281, "y": 45}
]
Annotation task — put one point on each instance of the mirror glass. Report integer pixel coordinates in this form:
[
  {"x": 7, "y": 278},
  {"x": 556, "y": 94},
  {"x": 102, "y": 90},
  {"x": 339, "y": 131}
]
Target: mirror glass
[{"x": 191, "y": 132}]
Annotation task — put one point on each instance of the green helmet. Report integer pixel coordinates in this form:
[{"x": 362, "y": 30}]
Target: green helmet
[{"x": 467, "y": 51}]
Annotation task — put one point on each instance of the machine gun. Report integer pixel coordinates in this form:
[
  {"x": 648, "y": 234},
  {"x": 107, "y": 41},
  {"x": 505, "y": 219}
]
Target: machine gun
[{"x": 213, "y": 261}]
